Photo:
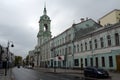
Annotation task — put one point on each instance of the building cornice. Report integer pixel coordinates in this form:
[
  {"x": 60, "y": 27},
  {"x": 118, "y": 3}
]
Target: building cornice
[{"x": 99, "y": 30}]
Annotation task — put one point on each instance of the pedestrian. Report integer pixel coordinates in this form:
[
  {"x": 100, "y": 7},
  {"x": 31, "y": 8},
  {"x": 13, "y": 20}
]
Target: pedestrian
[
  {"x": 32, "y": 64},
  {"x": 45, "y": 65}
]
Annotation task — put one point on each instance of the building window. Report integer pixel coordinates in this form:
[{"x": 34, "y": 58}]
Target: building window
[
  {"x": 64, "y": 63},
  {"x": 91, "y": 61},
  {"x": 117, "y": 39},
  {"x": 81, "y": 63},
  {"x": 69, "y": 36},
  {"x": 90, "y": 42},
  {"x": 74, "y": 48},
  {"x": 95, "y": 43},
  {"x": 69, "y": 50},
  {"x": 65, "y": 50},
  {"x": 76, "y": 62},
  {"x": 81, "y": 47},
  {"x": 96, "y": 59},
  {"x": 85, "y": 45},
  {"x": 77, "y": 48},
  {"x": 62, "y": 51},
  {"x": 45, "y": 27},
  {"x": 62, "y": 40},
  {"x": 103, "y": 61},
  {"x": 58, "y": 52},
  {"x": 110, "y": 61},
  {"x": 65, "y": 38},
  {"x": 85, "y": 61},
  {"x": 58, "y": 42},
  {"x": 109, "y": 40},
  {"x": 101, "y": 42}
]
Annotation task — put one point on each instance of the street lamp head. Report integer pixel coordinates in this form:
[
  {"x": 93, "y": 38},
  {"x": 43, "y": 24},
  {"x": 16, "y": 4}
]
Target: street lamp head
[{"x": 12, "y": 45}]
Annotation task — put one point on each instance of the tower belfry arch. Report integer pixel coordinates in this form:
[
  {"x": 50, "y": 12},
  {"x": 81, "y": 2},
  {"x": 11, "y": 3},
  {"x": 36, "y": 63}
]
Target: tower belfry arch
[{"x": 44, "y": 33}]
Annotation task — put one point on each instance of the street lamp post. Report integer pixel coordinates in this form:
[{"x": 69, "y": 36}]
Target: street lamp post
[
  {"x": 7, "y": 58},
  {"x": 92, "y": 50},
  {"x": 37, "y": 58},
  {"x": 54, "y": 60},
  {"x": 73, "y": 54},
  {"x": 1, "y": 52}
]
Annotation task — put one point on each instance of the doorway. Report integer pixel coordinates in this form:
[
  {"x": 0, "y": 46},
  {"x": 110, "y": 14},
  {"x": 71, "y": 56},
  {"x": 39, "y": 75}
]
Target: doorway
[{"x": 118, "y": 62}]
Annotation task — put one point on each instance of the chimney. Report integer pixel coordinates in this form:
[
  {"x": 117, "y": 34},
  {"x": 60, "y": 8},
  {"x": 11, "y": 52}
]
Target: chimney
[
  {"x": 82, "y": 19},
  {"x": 87, "y": 18}
]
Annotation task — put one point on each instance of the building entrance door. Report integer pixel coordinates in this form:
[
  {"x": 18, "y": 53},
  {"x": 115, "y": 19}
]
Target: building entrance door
[{"x": 118, "y": 62}]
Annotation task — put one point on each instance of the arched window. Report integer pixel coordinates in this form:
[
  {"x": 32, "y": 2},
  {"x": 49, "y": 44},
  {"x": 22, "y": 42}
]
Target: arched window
[
  {"x": 69, "y": 49},
  {"x": 117, "y": 39},
  {"x": 81, "y": 47},
  {"x": 90, "y": 43},
  {"x": 63, "y": 51},
  {"x": 77, "y": 48},
  {"x": 103, "y": 61},
  {"x": 85, "y": 45},
  {"x": 101, "y": 42},
  {"x": 95, "y": 43},
  {"x": 109, "y": 40},
  {"x": 110, "y": 61},
  {"x": 86, "y": 62},
  {"x": 62, "y": 40},
  {"x": 45, "y": 27}
]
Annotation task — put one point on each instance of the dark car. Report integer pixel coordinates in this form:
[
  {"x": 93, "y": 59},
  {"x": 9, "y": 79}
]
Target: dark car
[
  {"x": 95, "y": 72},
  {"x": 18, "y": 66}
]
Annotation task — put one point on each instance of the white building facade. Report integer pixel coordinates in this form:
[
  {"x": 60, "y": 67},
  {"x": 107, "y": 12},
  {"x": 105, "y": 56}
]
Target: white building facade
[
  {"x": 83, "y": 44},
  {"x": 42, "y": 49},
  {"x": 100, "y": 48}
]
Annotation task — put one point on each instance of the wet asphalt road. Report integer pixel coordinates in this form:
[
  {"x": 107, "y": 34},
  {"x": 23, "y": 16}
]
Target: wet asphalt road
[{"x": 29, "y": 74}]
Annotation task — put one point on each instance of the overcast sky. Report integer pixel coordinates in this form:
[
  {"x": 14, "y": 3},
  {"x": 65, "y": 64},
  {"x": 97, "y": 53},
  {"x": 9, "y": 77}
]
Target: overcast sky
[{"x": 19, "y": 18}]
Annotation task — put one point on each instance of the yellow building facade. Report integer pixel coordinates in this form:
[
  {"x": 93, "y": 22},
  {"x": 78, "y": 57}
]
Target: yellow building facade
[{"x": 110, "y": 18}]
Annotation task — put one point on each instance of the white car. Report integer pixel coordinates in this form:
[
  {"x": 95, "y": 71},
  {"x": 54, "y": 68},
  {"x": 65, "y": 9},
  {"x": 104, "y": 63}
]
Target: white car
[{"x": 29, "y": 67}]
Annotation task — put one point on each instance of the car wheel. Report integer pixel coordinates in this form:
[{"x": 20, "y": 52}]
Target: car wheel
[{"x": 96, "y": 76}]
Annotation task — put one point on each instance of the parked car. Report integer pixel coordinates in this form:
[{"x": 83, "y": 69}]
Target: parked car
[
  {"x": 29, "y": 67},
  {"x": 95, "y": 72}
]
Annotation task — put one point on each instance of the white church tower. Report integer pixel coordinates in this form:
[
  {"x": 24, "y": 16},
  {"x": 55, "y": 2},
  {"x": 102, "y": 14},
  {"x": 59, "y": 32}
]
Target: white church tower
[{"x": 44, "y": 33}]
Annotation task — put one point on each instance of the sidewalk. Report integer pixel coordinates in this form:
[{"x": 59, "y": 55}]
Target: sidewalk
[
  {"x": 8, "y": 76},
  {"x": 77, "y": 73}
]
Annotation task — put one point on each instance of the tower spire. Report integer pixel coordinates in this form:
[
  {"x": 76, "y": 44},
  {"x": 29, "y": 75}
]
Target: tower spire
[{"x": 45, "y": 11}]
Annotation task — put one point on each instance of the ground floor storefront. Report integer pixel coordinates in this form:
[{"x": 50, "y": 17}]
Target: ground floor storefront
[{"x": 109, "y": 60}]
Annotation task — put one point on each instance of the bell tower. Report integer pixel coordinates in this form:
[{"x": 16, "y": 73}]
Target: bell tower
[{"x": 44, "y": 33}]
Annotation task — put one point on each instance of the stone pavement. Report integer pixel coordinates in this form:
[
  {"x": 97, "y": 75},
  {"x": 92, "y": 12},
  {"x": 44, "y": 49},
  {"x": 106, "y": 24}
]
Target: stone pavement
[
  {"x": 8, "y": 76},
  {"x": 79, "y": 73}
]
